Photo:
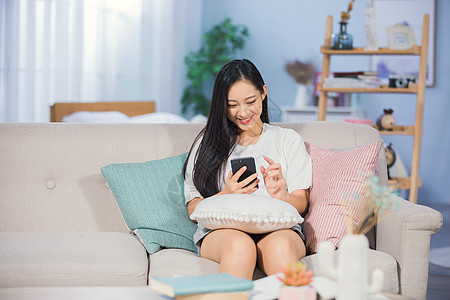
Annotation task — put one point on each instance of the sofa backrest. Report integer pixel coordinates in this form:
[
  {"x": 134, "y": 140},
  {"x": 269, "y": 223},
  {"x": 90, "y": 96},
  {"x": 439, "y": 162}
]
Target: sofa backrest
[{"x": 50, "y": 177}]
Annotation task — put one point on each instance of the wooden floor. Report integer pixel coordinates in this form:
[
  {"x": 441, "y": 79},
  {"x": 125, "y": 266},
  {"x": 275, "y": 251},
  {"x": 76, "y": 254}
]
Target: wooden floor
[
  {"x": 438, "y": 287},
  {"x": 439, "y": 277}
]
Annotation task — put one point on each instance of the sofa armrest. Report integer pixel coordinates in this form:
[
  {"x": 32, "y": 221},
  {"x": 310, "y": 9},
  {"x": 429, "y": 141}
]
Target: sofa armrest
[{"x": 405, "y": 234}]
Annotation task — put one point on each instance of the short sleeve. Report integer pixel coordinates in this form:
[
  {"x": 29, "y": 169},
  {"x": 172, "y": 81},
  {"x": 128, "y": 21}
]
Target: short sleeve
[
  {"x": 190, "y": 191},
  {"x": 298, "y": 161}
]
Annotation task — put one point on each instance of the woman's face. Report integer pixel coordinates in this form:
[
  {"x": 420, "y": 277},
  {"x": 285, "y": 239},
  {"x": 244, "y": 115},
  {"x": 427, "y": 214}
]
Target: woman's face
[{"x": 245, "y": 105}]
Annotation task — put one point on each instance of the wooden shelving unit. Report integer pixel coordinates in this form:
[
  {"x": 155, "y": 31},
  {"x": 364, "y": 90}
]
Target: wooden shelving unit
[
  {"x": 413, "y": 182},
  {"x": 412, "y": 89}
]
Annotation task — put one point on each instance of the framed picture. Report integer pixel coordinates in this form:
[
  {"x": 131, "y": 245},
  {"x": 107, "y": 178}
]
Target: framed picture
[
  {"x": 408, "y": 13},
  {"x": 400, "y": 37}
]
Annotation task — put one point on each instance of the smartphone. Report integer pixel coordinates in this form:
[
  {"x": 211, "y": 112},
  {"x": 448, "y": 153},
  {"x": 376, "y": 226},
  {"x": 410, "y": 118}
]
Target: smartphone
[{"x": 249, "y": 162}]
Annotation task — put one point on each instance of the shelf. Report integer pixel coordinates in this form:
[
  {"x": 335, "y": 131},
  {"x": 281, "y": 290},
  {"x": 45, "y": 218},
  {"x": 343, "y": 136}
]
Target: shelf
[
  {"x": 418, "y": 89},
  {"x": 415, "y": 50},
  {"x": 398, "y": 130},
  {"x": 412, "y": 89},
  {"x": 403, "y": 183}
]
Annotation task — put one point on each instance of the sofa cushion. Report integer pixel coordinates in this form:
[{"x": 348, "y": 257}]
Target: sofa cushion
[
  {"x": 376, "y": 259},
  {"x": 249, "y": 213},
  {"x": 54, "y": 259},
  {"x": 150, "y": 196},
  {"x": 179, "y": 262},
  {"x": 338, "y": 175}
]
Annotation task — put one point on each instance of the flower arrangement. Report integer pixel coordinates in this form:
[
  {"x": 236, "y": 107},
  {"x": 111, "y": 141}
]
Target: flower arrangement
[
  {"x": 377, "y": 201},
  {"x": 301, "y": 72},
  {"x": 295, "y": 274},
  {"x": 345, "y": 15}
]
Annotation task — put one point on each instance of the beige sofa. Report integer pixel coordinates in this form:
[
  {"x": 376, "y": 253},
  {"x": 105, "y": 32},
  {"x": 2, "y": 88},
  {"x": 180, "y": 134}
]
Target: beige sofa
[{"x": 60, "y": 225}]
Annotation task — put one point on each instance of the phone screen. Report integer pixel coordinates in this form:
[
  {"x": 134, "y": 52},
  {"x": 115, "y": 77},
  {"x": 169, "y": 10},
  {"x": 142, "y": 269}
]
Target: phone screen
[{"x": 238, "y": 163}]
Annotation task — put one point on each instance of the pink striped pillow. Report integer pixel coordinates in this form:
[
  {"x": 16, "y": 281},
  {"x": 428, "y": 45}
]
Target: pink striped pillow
[{"x": 337, "y": 175}]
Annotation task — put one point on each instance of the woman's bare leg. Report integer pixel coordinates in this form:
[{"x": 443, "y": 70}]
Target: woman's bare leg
[
  {"x": 279, "y": 248},
  {"x": 234, "y": 250}
]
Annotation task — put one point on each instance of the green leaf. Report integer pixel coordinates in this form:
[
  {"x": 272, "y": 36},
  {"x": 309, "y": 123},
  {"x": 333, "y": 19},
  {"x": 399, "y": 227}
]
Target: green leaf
[{"x": 219, "y": 45}]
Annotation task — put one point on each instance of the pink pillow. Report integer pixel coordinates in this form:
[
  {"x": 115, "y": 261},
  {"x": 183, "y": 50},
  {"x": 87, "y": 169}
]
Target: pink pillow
[{"x": 337, "y": 176}]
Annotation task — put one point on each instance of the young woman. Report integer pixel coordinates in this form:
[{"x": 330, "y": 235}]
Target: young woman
[{"x": 238, "y": 126}]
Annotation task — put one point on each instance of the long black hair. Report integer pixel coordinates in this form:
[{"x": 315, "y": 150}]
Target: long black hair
[{"x": 219, "y": 135}]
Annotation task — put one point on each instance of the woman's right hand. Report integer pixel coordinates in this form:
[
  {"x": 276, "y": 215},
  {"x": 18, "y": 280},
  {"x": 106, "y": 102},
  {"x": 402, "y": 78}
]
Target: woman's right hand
[{"x": 232, "y": 186}]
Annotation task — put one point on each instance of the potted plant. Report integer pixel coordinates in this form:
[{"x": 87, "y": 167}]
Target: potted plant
[
  {"x": 302, "y": 74},
  {"x": 296, "y": 280},
  {"x": 219, "y": 45}
]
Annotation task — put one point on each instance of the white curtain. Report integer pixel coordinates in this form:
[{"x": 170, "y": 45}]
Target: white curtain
[{"x": 93, "y": 50}]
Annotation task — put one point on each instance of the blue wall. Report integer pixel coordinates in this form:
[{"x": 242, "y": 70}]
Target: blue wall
[{"x": 285, "y": 30}]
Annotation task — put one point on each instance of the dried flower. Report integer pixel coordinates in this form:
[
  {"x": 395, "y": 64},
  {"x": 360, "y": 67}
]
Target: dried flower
[
  {"x": 301, "y": 72},
  {"x": 376, "y": 202},
  {"x": 345, "y": 15},
  {"x": 295, "y": 274}
]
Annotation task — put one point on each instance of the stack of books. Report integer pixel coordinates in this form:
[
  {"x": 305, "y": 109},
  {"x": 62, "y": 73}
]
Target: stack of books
[
  {"x": 359, "y": 79},
  {"x": 205, "y": 287}
]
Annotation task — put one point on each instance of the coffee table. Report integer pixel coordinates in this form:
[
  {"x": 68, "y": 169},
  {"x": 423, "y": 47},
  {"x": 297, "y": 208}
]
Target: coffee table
[{"x": 99, "y": 293}]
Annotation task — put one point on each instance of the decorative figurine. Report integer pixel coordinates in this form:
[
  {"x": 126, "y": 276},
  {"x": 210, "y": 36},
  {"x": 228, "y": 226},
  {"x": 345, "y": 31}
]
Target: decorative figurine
[
  {"x": 390, "y": 158},
  {"x": 386, "y": 121},
  {"x": 371, "y": 30}
]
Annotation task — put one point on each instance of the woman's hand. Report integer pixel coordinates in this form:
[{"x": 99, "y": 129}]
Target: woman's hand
[
  {"x": 274, "y": 180},
  {"x": 232, "y": 186},
  {"x": 277, "y": 187}
]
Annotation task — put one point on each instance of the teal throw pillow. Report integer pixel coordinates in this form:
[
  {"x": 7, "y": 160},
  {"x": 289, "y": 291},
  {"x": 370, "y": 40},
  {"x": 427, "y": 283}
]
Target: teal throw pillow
[{"x": 150, "y": 196}]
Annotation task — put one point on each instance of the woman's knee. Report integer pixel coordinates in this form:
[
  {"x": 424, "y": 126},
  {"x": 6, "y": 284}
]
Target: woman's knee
[
  {"x": 240, "y": 245},
  {"x": 228, "y": 243},
  {"x": 278, "y": 249},
  {"x": 283, "y": 244}
]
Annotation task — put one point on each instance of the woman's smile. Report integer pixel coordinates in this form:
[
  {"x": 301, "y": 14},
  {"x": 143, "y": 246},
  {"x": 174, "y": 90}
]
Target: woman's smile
[{"x": 246, "y": 121}]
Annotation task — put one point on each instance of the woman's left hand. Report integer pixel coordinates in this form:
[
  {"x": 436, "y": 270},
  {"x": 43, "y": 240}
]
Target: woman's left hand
[{"x": 274, "y": 180}]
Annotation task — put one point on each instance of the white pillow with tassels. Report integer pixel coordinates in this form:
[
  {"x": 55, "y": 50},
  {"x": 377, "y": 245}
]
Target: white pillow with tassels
[{"x": 249, "y": 213}]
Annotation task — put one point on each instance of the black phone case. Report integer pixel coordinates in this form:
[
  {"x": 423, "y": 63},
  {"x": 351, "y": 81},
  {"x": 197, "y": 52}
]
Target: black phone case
[{"x": 238, "y": 163}]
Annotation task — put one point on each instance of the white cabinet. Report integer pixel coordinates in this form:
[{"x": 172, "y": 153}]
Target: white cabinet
[{"x": 291, "y": 114}]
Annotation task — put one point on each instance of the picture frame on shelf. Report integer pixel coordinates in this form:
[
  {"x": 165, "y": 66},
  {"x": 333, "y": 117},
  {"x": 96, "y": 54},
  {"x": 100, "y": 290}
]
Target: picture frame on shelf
[
  {"x": 400, "y": 37},
  {"x": 410, "y": 13}
]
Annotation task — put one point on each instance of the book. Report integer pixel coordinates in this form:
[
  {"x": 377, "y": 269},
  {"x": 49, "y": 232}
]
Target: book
[
  {"x": 355, "y": 74},
  {"x": 348, "y": 82},
  {"x": 202, "y": 287},
  {"x": 215, "y": 296},
  {"x": 367, "y": 77}
]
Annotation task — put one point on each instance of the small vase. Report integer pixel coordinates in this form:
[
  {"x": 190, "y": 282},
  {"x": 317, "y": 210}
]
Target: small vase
[
  {"x": 351, "y": 270},
  {"x": 342, "y": 40},
  {"x": 304, "y": 95},
  {"x": 297, "y": 293},
  {"x": 352, "y": 274}
]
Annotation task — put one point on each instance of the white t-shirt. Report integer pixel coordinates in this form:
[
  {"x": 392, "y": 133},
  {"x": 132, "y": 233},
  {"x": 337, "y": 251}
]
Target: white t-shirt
[{"x": 282, "y": 145}]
